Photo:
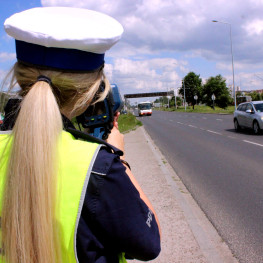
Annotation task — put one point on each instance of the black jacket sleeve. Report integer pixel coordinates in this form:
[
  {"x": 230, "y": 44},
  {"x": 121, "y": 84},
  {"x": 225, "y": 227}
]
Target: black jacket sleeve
[{"x": 116, "y": 214}]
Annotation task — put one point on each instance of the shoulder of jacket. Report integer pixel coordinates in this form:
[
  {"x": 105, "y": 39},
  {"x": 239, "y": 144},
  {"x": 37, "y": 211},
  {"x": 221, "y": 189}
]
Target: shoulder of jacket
[{"x": 87, "y": 137}]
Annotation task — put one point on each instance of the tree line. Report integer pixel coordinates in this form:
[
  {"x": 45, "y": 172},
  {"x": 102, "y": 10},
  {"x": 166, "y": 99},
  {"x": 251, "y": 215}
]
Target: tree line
[{"x": 196, "y": 92}]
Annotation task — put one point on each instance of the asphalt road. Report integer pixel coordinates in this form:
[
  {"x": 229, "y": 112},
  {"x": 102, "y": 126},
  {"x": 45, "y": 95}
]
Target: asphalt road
[{"x": 223, "y": 171}]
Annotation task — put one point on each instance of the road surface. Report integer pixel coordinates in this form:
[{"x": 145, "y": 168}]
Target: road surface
[{"x": 223, "y": 171}]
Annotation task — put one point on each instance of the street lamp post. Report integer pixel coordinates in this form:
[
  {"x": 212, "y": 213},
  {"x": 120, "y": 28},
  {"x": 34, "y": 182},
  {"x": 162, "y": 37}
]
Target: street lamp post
[
  {"x": 184, "y": 98},
  {"x": 232, "y": 58},
  {"x": 175, "y": 94}
]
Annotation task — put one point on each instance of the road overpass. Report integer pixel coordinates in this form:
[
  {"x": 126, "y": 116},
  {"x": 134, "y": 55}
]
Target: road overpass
[{"x": 149, "y": 94}]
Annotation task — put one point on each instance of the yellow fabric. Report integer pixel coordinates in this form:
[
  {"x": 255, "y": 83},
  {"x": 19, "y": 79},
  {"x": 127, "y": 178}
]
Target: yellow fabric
[
  {"x": 5, "y": 142},
  {"x": 75, "y": 159},
  {"x": 122, "y": 258}
]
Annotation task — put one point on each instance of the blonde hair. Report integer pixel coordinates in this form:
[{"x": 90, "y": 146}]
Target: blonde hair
[{"x": 29, "y": 233}]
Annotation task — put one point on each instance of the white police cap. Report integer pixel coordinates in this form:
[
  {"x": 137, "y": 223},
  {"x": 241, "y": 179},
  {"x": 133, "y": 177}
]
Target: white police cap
[{"x": 63, "y": 37}]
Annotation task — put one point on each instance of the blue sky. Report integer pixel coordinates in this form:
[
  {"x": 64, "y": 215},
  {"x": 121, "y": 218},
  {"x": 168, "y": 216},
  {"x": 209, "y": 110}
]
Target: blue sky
[
  {"x": 166, "y": 39},
  {"x": 7, "y": 45}
]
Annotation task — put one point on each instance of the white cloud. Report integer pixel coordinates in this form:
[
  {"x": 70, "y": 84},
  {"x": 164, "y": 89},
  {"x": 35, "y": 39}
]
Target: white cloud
[
  {"x": 144, "y": 76},
  {"x": 2, "y": 74},
  {"x": 4, "y": 56},
  {"x": 173, "y": 25},
  {"x": 7, "y": 38},
  {"x": 249, "y": 81},
  {"x": 156, "y": 27},
  {"x": 254, "y": 27},
  {"x": 257, "y": 3},
  {"x": 239, "y": 66}
]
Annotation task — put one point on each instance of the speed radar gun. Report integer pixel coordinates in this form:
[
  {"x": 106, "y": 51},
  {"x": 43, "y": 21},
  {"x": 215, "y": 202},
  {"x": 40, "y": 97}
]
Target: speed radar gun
[{"x": 97, "y": 120}]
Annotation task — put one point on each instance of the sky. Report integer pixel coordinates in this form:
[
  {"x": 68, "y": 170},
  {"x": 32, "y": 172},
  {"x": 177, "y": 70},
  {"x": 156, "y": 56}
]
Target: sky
[{"x": 164, "y": 40}]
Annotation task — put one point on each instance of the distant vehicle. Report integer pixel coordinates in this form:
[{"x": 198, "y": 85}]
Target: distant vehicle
[
  {"x": 249, "y": 115},
  {"x": 241, "y": 99},
  {"x": 123, "y": 111},
  {"x": 145, "y": 108},
  {"x": 1, "y": 118}
]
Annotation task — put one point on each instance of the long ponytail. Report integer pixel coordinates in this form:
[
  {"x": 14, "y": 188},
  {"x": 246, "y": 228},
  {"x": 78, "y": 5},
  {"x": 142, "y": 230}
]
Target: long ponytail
[{"x": 29, "y": 232}]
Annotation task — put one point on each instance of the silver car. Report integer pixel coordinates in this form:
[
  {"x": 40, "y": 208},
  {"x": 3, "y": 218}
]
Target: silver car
[{"x": 249, "y": 115}]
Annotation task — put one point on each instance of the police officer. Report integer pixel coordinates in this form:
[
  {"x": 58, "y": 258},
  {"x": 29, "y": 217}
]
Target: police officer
[{"x": 65, "y": 199}]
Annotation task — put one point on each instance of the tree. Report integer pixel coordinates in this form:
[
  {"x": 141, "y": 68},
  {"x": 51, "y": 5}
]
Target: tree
[
  {"x": 172, "y": 101},
  {"x": 178, "y": 101},
  {"x": 4, "y": 97},
  {"x": 255, "y": 96},
  {"x": 193, "y": 86},
  {"x": 163, "y": 100},
  {"x": 217, "y": 86},
  {"x": 238, "y": 93}
]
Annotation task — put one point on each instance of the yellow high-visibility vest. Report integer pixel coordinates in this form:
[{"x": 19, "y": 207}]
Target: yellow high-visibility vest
[{"x": 76, "y": 159}]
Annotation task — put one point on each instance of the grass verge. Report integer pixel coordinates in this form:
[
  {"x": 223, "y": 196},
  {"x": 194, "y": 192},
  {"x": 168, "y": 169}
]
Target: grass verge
[
  {"x": 201, "y": 109},
  {"x": 127, "y": 122}
]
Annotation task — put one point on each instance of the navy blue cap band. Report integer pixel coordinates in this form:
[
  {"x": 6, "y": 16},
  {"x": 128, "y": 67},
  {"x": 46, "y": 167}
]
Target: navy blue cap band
[{"x": 58, "y": 58}]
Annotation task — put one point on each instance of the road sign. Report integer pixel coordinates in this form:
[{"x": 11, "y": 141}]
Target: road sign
[{"x": 213, "y": 98}]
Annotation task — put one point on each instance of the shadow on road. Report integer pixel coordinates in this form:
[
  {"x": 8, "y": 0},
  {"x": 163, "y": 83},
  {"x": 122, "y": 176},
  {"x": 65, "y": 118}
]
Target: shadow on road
[{"x": 244, "y": 131}]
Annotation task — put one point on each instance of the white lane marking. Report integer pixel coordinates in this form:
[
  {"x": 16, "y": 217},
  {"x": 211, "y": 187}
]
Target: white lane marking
[
  {"x": 253, "y": 143},
  {"x": 192, "y": 126},
  {"x": 231, "y": 137},
  {"x": 204, "y": 118},
  {"x": 171, "y": 120},
  {"x": 214, "y": 132},
  {"x": 180, "y": 122},
  {"x": 219, "y": 119}
]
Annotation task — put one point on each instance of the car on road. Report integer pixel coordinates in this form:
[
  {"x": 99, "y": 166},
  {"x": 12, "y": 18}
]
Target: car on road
[
  {"x": 1, "y": 118},
  {"x": 123, "y": 111},
  {"x": 249, "y": 115}
]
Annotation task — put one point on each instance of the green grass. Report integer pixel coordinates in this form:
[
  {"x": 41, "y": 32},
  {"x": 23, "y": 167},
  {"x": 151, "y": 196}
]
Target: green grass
[
  {"x": 127, "y": 122},
  {"x": 201, "y": 109}
]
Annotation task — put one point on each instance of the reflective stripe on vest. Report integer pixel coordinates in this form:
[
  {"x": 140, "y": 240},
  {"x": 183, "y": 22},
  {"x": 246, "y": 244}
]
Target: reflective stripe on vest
[{"x": 76, "y": 160}]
